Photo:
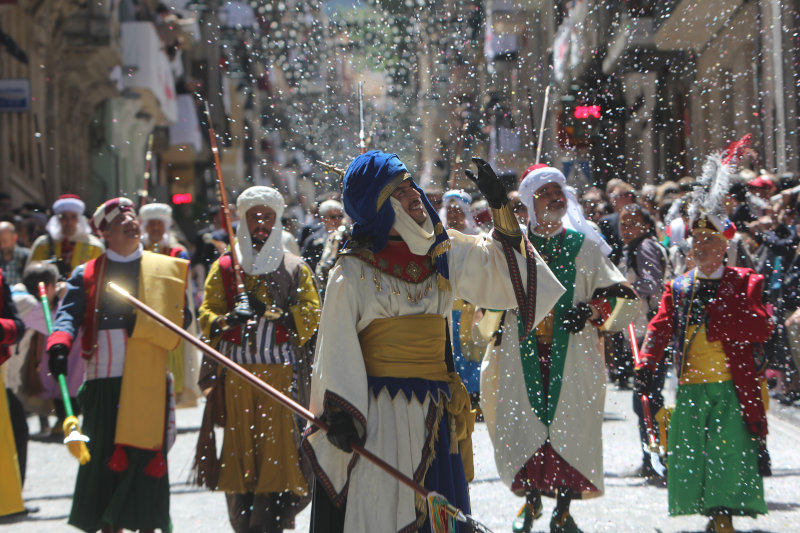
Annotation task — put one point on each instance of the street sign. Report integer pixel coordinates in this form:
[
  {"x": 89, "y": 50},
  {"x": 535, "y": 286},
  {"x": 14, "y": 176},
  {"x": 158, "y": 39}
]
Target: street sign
[{"x": 15, "y": 95}]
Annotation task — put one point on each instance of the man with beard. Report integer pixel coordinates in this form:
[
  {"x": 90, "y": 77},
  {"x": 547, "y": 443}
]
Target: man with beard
[
  {"x": 157, "y": 223},
  {"x": 69, "y": 240},
  {"x": 383, "y": 373},
  {"x": 543, "y": 394},
  {"x": 712, "y": 316},
  {"x": 183, "y": 360},
  {"x": 124, "y": 397},
  {"x": 259, "y": 467}
]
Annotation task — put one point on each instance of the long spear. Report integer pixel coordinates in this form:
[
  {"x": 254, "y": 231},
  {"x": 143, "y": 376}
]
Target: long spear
[
  {"x": 39, "y": 136},
  {"x": 148, "y": 162},
  {"x": 362, "y": 137},
  {"x": 438, "y": 505},
  {"x": 533, "y": 121},
  {"x": 544, "y": 121},
  {"x": 75, "y": 441},
  {"x": 241, "y": 300}
]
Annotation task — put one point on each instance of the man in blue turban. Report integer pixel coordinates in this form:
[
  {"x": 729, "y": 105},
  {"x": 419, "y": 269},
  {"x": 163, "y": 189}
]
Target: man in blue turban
[{"x": 383, "y": 374}]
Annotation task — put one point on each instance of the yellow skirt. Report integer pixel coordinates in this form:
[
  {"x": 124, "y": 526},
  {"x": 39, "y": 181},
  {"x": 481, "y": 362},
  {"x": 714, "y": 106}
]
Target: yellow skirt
[
  {"x": 10, "y": 480},
  {"x": 261, "y": 439}
]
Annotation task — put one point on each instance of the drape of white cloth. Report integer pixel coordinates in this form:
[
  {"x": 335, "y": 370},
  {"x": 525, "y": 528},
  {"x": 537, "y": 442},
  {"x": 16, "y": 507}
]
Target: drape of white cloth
[{"x": 356, "y": 295}]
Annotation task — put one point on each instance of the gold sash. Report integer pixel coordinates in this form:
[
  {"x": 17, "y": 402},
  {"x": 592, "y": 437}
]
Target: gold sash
[
  {"x": 413, "y": 347},
  {"x": 405, "y": 347},
  {"x": 143, "y": 396}
]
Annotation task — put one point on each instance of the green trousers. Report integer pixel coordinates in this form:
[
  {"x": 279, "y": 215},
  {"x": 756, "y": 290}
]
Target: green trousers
[{"x": 713, "y": 458}]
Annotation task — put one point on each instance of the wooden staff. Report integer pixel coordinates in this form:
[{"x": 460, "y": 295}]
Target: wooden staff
[
  {"x": 241, "y": 296},
  {"x": 295, "y": 407}
]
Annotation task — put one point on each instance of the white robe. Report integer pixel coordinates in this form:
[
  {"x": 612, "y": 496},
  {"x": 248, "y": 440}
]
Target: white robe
[
  {"x": 396, "y": 429},
  {"x": 576, "y": 430}
]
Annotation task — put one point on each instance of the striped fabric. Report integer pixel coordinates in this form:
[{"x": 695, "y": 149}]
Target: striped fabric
[
  {"x": 109, "y": 360},
  {"x": 260, "y": 348}
]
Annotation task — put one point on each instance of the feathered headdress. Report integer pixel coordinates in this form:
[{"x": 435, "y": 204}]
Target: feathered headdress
[{"x": 708, "y": 193}]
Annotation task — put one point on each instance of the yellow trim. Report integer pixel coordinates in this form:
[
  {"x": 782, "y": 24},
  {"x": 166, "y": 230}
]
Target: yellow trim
[
  {"x": 505, "y": 222},
  {"x": 409, "y": 346},
  {"x": 390, "y": 187}
]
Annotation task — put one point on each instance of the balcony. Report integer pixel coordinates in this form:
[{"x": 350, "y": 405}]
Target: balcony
[{"x": 146, "y": 71}]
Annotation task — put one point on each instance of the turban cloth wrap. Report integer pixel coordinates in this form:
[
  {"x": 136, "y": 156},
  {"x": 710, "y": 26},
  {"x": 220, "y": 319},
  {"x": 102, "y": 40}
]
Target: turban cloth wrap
[{"x": 368, "y": 182}]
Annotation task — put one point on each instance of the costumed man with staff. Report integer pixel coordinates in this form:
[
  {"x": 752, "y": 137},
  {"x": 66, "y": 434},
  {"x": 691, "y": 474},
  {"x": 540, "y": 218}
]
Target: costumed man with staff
[
  {"x": 383, "y": 372},
  {"x": 125, "y": 395},
  {"x": 259, "y": 468},
  {"x": 183, "y": 362},
  {"x": 543, "y": 394},
  {"x": 711, "y": 317}
]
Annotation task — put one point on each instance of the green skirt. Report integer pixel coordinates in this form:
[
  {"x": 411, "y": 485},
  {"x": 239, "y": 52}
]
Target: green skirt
[
  {"x": 129, "y": 499},
  {"x": 713, "y": 458}
]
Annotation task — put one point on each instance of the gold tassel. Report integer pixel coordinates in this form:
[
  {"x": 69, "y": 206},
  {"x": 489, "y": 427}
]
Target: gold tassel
[
  {"x": 441, "y": 248},
  {"x": 443, "y": 283}
]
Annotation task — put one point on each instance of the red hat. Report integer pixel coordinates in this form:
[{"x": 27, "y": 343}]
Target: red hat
[
  {"x": 762, "y": 182},
  {"x": 108, "y": 211},
  {"x": 530, "y": 169},
  {"x": 69, "y": 203}
]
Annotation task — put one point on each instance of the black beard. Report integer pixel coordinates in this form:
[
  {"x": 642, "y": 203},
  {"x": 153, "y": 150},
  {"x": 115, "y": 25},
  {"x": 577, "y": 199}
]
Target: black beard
[{"x": 258, "y": 243}]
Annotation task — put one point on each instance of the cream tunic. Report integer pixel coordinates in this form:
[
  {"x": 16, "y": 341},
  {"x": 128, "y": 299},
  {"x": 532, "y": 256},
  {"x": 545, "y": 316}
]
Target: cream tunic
[{"x": 356, "y": 295}]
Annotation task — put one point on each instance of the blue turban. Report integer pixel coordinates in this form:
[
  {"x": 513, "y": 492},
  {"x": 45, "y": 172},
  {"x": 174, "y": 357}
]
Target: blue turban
[{"x": 368, "y": 183}]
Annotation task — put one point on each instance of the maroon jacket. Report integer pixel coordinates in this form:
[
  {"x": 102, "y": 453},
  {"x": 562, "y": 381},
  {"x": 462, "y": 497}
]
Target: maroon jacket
[{"x": 738, "y": 319}]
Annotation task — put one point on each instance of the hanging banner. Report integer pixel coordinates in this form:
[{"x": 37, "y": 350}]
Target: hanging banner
[{"x": 15, "y": 95}]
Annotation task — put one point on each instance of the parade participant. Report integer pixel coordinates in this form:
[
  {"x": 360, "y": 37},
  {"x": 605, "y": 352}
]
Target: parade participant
[
  {"x": 331, "y": 213},
  {"x": 13, "y": 257},
  {"x": 711, "y": 316},
  {"x": 69, "y": 241},
  {"x": 157, "y": 223},
  {"x": 456, "y": 214},
  {"x": 11, "y": 330},
  {"x": 383, "y": 374},
  {"x": 543, "y": 395},
  {"x": 124, "y": 398},
  {"x": 183, "y": 360},
  {"x": 644, "y": 265},
  {"x": 259, "y": 467}
]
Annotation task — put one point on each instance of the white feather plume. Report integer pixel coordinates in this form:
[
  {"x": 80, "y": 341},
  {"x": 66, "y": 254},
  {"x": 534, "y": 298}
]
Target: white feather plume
[{"x": 708, "y": 193}]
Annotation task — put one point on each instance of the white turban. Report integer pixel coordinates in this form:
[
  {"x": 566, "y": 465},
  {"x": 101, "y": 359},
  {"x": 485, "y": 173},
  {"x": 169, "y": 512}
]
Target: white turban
[
  {"x": 68, "y": 203},
  {"x": 463, "y": 201},
  {"x": 269, "y": 258},
  {"x": 535, "y": 179},
  {"x": 161, "y": 212},
  {"x": 329, "y": 205}
]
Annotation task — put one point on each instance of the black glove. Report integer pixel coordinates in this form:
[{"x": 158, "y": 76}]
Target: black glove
[
  {"x": 488, "y": 183},
  {"x": 258, "y": 307},
  {"x": 575, "y": 319},
  {"x": 239, "y": 315},
  {"x": 642, "y": 381},
  {"x": 57, "y": 359},
  {"x": 342, "y": 430}
]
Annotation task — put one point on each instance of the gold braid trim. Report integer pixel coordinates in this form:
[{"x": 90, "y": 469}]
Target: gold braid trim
[
  {"x": 389, "y": 188},
  {"x": 505, "y": 222},
  {"x": 441, "y": 248}
]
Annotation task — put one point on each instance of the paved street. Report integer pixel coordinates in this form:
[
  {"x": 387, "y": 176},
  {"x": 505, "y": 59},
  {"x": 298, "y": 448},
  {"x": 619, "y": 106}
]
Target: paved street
[{"x": 628, "y": 506}]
